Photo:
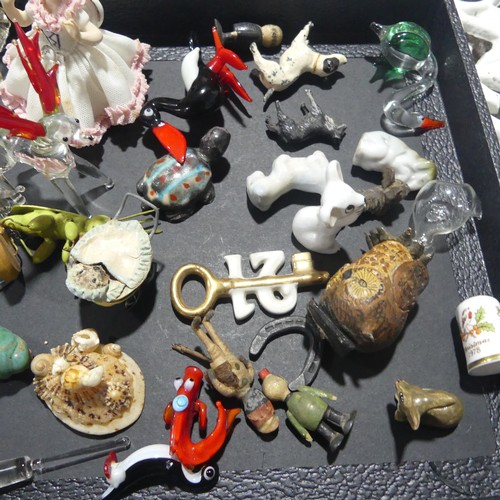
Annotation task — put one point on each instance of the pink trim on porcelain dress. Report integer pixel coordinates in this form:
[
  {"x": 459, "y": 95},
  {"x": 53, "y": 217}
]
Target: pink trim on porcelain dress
[{"x": 98, "y": 98}]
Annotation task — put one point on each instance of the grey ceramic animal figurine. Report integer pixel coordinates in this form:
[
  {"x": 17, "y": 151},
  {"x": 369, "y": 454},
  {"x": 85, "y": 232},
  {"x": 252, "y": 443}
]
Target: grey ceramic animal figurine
[
  {"x": 314, "y": 123},
  {"x": 433, "y": 407}
]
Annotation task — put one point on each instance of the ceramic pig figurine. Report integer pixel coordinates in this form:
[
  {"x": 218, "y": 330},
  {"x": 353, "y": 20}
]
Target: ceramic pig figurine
[{"x": 432, "y": 407}]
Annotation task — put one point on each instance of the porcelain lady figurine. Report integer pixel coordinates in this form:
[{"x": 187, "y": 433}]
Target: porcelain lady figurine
[{"x": 100, "y": 73}]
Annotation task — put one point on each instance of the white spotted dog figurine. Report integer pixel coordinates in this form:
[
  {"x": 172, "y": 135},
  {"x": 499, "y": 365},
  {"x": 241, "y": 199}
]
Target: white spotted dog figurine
[{"x": 299, "y": 58}]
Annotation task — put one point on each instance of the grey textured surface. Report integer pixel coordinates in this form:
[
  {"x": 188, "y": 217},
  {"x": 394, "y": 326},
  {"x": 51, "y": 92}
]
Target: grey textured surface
[{"x": 475, "y": 477}]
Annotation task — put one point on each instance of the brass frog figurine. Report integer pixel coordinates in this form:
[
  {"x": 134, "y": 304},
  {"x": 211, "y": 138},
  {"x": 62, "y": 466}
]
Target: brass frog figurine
[{"x": 366, "y": 303}]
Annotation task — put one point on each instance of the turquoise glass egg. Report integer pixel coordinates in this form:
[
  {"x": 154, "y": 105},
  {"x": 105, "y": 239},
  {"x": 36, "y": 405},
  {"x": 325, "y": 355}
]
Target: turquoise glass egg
[{"x": 14, "y": 354}]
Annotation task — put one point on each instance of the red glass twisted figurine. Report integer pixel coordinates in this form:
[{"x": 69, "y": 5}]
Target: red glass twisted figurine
[{"x": 180, "y": 413}]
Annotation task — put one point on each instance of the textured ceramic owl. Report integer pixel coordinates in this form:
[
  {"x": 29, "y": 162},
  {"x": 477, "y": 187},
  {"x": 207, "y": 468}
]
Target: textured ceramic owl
[{"x": 366, "y": 303}]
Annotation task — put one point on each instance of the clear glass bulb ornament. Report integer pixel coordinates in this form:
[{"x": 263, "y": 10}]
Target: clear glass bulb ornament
[{"x": 442, "y": 207}]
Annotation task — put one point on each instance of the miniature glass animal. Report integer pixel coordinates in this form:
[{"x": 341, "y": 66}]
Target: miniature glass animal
[
  {"x": 179, "y": 415},
  {"x": 299, "y": 58},
  {"x": 100, "y": 72},
  {"x": 206, "y": 89},
  {"x": 9, "y": 195},
  {"x": 44, "y": 145},
  {"x": 442, "y": 207},
  {"x": 206, "y": 85},
  {"x": 152, "y": 465},
  {"x": 433, "y": 407},
  {"x": 407, "y": 48}
]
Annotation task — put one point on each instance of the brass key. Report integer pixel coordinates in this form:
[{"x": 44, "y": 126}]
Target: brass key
[{"x": 303, "y": 273}]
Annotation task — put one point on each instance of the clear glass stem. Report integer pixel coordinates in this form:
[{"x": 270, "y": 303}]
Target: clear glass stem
[
  {"x": 72, "y": 197},
  {"x": 87, "y": 168},
  {"x": 42, "y": 465}
]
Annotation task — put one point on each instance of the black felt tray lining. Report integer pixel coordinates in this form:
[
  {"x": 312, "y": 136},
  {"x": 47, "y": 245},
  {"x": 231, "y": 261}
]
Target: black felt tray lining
[{"x": 468, "y": 477}]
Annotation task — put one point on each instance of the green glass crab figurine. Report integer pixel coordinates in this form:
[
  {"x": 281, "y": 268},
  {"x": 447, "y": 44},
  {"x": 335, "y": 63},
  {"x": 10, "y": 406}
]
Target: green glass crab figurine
[{"x": 51, "y": 225}]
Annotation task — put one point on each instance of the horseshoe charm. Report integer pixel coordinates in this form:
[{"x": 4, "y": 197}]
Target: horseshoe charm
[{"x": 285, "y": 326}]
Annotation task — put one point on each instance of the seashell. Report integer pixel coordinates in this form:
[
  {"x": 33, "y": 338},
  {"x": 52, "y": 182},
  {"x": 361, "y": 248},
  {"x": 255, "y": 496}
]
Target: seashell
[
  {"x": 85, "y": 340},
  {"x": 43, "y": 364},
  {"x": 14, "y": 354},
  {"x": 109, "y": 262},
  {"x": 97, "y": 391}
]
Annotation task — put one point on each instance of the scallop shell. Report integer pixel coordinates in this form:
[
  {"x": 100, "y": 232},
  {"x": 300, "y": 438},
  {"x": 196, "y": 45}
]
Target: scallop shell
[
  {"x": 109, "y": 262},
  {"x": 112, "y": 404}
]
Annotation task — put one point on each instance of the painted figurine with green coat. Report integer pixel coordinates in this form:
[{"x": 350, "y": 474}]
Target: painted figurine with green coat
[
  {"x": 14, "y": 354},
  {"x": 307, "y": 409}
]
